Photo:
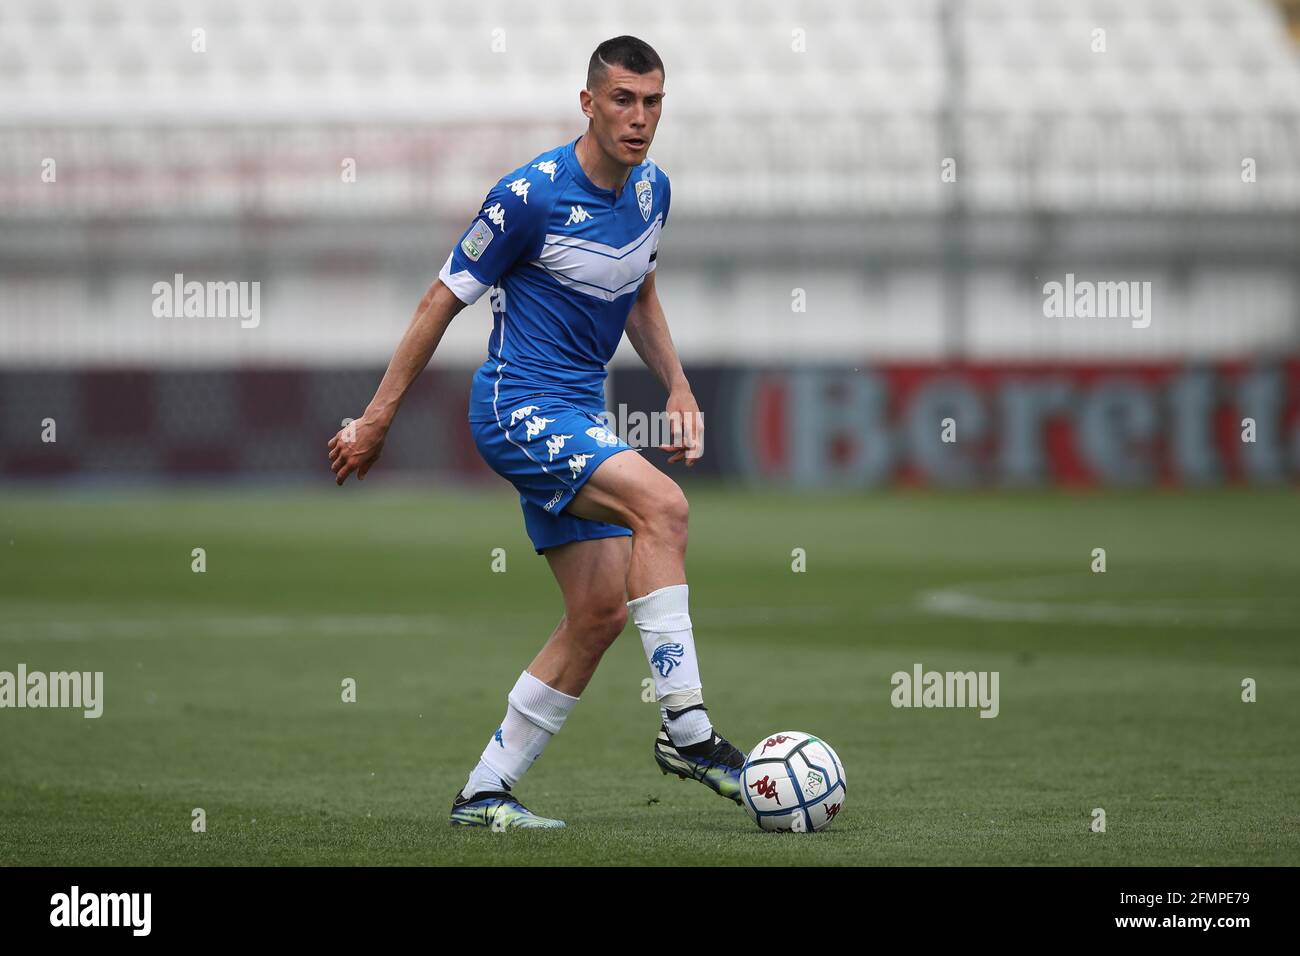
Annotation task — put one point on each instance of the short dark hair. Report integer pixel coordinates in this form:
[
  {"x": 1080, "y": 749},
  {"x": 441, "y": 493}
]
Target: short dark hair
[{"x": 625, "y": 51}]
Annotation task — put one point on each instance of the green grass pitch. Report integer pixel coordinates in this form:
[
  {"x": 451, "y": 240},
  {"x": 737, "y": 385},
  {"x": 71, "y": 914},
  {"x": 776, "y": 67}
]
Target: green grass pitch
[{"x": 1119, "y": 691}]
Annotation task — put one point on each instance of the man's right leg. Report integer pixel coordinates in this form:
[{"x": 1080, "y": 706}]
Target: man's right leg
[
  {"x": 591, "y": 575},
  {"x": 627, "y": 490}
]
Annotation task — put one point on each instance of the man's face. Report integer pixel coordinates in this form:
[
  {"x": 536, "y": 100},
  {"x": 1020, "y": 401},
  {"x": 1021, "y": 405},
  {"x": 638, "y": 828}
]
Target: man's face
[{"x": 624, "y": 112}]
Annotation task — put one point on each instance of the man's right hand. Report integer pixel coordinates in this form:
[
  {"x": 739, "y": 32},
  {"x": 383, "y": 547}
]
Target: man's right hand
[{"x": 356, "y": 447}]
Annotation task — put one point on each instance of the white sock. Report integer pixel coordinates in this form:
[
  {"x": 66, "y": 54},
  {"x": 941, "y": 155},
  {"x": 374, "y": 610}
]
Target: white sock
[
  {"x": 664, "y": 620},
  {"x": 534, "y": 714},
  {"x": 692, "y": 727}
]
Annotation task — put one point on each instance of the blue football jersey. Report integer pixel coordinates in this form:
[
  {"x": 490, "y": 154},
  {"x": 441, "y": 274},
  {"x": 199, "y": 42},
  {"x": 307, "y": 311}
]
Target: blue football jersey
[{"x": 564, "y": 259}]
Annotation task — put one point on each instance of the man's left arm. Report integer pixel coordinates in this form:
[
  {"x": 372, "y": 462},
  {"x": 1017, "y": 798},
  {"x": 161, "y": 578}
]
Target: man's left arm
[{"x": 647, "y": 330}]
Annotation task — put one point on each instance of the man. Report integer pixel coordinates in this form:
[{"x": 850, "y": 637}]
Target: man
[{"x": 568, "y": 243}]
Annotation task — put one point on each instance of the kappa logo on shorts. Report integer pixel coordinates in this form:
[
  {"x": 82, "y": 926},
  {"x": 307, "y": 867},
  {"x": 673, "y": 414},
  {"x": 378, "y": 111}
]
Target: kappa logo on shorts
[
  {"x": 519, "y": 414},
  {"x": 603, "y": 436},
  {"x": 555, "y": 445},
  {"x": 536, "y": 425},
  {"x": 577, "y": 463}
]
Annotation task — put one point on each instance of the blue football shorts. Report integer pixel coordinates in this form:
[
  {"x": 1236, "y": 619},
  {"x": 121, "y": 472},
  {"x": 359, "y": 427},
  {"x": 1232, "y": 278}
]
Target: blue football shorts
[{"x": 548, "y": 448}]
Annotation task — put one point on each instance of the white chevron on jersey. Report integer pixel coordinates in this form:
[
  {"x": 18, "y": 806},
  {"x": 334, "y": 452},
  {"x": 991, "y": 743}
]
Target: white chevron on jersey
[{"x": 596, "y": 269}]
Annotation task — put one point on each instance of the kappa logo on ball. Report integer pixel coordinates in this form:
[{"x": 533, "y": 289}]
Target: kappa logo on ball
[
  {"x": 765, "y": 788},
  {"x": 774, "y": 741}
]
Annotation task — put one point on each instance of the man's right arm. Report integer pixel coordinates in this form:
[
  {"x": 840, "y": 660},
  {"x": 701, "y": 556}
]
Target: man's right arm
[
  {"x": 357, "y": 445},
  {"x": 506, "y": 229}
]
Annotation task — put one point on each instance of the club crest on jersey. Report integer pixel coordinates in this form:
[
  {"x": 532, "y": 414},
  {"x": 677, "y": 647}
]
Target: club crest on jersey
[
  {"x": 603, "y": 436},
  {"x": 644, "y": 198},
  {"x": 480, "y": 234}
]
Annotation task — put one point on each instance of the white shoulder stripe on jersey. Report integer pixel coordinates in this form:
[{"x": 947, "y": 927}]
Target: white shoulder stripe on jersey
[{"x": 466, "y": 288}]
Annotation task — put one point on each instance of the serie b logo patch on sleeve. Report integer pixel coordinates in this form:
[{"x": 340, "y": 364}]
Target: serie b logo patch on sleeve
[{"x": 477, "y": 240}]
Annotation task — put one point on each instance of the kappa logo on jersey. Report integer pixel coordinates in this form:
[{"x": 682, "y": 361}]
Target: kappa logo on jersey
[
  {"x": 576, "y": 215},
  {"x": 519, "y": 414},
  {"x": 644, "y": 198},
  {"x": 547, "y": 166},
  {"x": 477, "y": 240},
  {"x": 497, "y": 215},
  {"x": 520, "y": 188},
  {"x": 555, "y": 445},
  {"x": 536, "y": 425},
  {"x": 603, "y": 436},
  {"x": 666, "y": 657},
  {"x": 577, "y": 463}
]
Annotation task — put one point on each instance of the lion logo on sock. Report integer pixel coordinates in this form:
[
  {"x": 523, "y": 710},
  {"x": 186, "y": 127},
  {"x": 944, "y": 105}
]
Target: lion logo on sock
[{"x": 666, "y": 657}]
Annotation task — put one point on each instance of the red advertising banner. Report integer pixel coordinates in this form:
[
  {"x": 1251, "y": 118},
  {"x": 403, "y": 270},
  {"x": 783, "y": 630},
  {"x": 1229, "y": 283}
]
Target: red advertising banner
[{"x": 1009, "y": 424}]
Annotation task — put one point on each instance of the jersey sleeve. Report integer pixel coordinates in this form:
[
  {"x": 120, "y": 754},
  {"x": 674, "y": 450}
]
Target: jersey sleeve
[{"x": 507, "y": 229}]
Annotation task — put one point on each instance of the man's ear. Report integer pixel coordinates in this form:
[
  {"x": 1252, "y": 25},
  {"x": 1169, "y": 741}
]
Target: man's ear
[{"x": 584, "y": 101}]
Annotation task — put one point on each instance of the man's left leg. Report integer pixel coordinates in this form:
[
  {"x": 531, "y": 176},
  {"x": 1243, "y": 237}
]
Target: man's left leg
[{"x": 627, "y": 490}]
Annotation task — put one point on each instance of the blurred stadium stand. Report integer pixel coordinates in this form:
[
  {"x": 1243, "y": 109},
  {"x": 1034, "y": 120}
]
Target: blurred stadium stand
[{"x": 817, "y": 169}]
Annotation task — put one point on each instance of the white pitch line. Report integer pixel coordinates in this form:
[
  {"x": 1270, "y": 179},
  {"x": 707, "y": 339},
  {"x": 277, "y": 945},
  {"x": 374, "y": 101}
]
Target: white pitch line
[{"x": 959, "y": 602}]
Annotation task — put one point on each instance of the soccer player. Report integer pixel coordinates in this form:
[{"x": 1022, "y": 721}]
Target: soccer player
[{"x": 567, "y": 245}]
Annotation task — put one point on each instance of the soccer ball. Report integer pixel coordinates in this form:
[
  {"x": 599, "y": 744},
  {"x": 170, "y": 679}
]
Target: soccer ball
[{"x": 793, "y": 781}]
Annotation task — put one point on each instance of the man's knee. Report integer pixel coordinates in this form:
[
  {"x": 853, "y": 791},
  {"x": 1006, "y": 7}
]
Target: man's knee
[
  {"x": 599, "y": 621},
  {"x": 665, "y": 513}
]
